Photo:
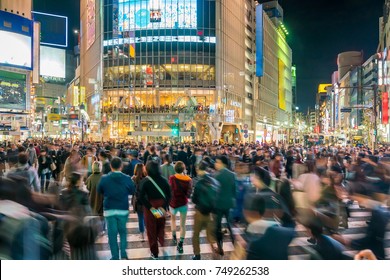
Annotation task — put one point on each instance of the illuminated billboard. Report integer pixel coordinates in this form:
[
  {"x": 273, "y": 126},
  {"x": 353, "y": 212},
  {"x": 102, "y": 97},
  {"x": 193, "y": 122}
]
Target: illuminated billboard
[
  {"x": 12, "y": 91},
  {"x": 52, "y": 62},
  {"x": 15, "y": 49},
  {"x": 156, "y": 14},
  {"x": 259, "y": 41}
]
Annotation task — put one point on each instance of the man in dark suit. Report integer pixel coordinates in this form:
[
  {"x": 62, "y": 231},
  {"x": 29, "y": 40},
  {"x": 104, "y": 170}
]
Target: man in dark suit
[{"x": 226, "y": 198}]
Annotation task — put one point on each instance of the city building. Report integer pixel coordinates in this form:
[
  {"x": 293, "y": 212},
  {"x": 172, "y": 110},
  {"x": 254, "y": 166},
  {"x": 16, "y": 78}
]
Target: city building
[
  {"x": 182, "y": 71},
  {"x": 16, "y": 68},
  {"x": 383, "y": 74},
  {"x": 34, "y": 71}
]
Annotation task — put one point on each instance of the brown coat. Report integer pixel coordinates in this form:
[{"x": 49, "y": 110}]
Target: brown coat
[{"x": 95, "y": 198}]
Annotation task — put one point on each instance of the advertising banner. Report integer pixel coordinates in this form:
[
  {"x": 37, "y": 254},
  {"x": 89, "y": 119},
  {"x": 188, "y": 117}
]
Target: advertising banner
[
  {"x": 259, "y": 41},
  {"x": 282, "y": 93},
  {"x": 157, "y": 14},
  {"x": 385, "y": 108},
  {"x": 91, "y": 23},
  {"x": 12, "y": 91}
]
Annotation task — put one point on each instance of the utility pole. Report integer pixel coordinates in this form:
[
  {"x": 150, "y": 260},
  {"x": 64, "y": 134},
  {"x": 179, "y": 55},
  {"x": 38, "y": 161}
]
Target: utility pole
[
  {"x": 82, "y": 107},
  {"x": 43, "y": 122},
  {"x": 374, "y": 110}
]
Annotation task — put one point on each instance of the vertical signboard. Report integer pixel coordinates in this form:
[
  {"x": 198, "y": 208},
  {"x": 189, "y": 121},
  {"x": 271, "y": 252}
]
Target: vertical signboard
[
  {"x": 281, "y": 89},
  {"x": 259, "y": 41},
  {"x": 82, "y": 96},
  {"x": 132, "y": 44},
  {"x": 385, "y": 108},
  {"x": 75, "y": 96},
  {"x": 91, "y": 23},
  {"x": 36, "y": 49},
  {"x": 115, "y": 19}
]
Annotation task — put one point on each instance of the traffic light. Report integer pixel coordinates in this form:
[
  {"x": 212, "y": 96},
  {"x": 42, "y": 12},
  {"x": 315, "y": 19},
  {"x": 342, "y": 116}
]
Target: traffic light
[
  {"x": 175, "y": 131},
  {"x": 236, "y": 131},
  {"x": 175, "y": 128}
]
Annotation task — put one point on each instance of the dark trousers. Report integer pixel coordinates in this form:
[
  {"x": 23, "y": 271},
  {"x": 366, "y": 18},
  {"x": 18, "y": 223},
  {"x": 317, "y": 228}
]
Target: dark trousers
[
  {"x": 155, "y": 228},
  {"x": 218, "y": 226}
]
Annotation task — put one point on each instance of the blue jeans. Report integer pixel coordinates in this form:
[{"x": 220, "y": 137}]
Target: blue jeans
[
  {"x": 45, "y": 185},
  {"x": 141, "y": 221},
  {"x": 117, "y": 224}
]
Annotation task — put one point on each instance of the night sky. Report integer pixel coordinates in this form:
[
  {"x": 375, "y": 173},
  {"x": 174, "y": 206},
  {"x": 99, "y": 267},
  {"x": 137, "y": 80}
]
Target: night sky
[
  {"x": 318, "y": 31},
  {"x": 321, "y": 29}
]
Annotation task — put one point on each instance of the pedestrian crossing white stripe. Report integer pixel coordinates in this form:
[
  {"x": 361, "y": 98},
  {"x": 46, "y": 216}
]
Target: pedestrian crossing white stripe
[
  {"x": 189, "y": 213},
  {"x": 360, "y": 214},
  {"x": 170, "y": 251},
  {"x": 168, "y": 236},
  {"x": 189, "y": 222},
  {"x": 356, "y": 222}
]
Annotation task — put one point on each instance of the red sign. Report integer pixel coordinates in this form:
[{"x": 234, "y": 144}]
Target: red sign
[
  {"x": 385, "y": 108},
  {"x": 73, "y": 116}
]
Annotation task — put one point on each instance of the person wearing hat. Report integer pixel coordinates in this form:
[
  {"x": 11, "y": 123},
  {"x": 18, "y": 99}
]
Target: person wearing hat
[{"x": 133, "y": 161}]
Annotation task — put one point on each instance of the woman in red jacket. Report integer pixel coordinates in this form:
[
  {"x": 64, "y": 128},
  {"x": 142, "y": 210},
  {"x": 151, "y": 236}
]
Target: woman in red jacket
[{"x": 181, "y": 188}]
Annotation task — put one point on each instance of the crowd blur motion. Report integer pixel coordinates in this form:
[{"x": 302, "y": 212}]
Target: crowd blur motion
[{"x": 58, "y": 198}]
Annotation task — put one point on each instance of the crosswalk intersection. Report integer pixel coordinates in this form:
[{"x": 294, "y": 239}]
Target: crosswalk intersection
[{"x": 139, "y": 250}]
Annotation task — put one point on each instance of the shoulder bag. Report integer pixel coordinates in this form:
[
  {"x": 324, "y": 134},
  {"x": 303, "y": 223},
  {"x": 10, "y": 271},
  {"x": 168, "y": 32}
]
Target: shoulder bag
[{"x": 158, "y": 213}]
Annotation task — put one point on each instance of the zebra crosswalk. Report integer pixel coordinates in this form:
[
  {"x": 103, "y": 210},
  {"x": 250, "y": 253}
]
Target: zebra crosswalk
[{"x": 139, "y": 250}]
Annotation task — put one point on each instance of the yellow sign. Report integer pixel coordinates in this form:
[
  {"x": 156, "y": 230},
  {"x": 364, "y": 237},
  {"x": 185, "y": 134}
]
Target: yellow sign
[
  {"x": 322, "y": 88},
  {"x": 75, "y": 96},
  {"x": 40, "y": 100},
  {"x": 282, "y": 90},
  {"x": 54, "y": 117},
  {"x": 82, "y": 95},
  {"x": 132, "y": 51}
]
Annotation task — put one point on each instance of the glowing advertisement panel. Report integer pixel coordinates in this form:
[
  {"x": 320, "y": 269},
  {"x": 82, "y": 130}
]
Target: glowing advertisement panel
[
  {"x": 157, "y": 14},
  {"x": 52, "y": 62},
  {"x": 12, "y": 91},
  {"x": 259, "y": 41},
  {"x": 15, "y": 49},
  {"x": 281, "y": 88}
]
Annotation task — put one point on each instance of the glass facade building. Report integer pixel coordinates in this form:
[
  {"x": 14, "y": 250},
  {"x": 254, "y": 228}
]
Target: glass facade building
[
  {"x": 159, "y": 61},
  {"x": 150, "y": 65}
]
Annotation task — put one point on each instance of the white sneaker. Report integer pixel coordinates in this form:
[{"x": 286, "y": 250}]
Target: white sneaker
[{"x": 142, "y": 236}]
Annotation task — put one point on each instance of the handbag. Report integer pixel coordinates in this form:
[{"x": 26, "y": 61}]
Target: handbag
[
  {"x": 160, "y": 212},
  {"x": 53, "y": 166}
]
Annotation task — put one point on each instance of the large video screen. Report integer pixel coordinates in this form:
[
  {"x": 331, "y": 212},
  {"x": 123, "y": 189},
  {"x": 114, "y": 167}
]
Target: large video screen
[
  {"x": 15, "y": 49},
  {"x": 12, "y": 91},
  {"x": 157, "y": 14},
  {"x": 52, "y": 62},
  {"x": 54, "y": 29}
]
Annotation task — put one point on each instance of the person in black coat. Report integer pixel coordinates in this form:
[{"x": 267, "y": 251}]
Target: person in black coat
[{"x": 44, "y": 169}]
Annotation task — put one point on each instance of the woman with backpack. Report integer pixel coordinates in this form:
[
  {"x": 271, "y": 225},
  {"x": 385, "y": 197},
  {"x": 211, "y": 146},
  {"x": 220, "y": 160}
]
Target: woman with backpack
[{"x": 204, "y": 198}]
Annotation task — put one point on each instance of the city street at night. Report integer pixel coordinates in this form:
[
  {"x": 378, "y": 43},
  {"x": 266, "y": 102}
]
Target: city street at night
[{"x": 207, "y": 130}]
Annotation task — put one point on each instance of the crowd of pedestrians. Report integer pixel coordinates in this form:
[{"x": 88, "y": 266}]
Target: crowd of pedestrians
[{"x": 64, "y": 196}]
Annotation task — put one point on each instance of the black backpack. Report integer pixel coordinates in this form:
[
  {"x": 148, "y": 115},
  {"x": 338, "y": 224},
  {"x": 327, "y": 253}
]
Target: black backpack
[{"x": 208, "y": 197}]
